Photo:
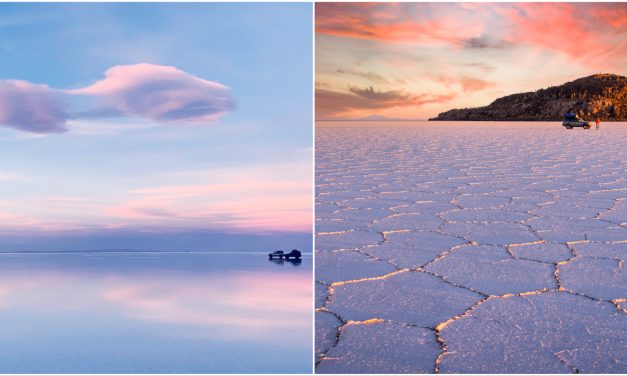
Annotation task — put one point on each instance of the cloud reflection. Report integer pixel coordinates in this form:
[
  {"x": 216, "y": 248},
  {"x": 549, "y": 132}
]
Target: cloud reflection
[{"x": 235, "y": 305}]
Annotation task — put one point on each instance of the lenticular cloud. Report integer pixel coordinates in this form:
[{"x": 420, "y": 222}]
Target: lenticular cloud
[
  {"x": 31, "y": 108},
  {"x": 160, "y": 93}
]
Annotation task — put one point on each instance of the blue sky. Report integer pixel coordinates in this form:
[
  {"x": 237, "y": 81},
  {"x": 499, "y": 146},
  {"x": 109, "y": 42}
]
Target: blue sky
[{"x": 244, "y": 167}]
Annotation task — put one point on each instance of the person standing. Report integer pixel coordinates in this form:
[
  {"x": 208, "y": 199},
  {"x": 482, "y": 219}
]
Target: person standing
[{"x": 598, "y": 122}]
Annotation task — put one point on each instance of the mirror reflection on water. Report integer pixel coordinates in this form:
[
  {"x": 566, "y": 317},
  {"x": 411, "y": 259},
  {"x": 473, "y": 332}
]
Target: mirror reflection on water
[{"x": 154, "y": 313}]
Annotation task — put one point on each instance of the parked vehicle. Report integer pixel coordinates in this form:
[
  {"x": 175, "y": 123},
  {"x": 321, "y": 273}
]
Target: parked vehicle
[
  {"x": 294, "y": 254},
  {"x": 278, "y": 254},
  {"x": 571, "y": 123}
]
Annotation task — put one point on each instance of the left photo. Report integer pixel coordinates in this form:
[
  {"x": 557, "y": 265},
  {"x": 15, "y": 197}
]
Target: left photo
[{"x": 156, "y": 167}]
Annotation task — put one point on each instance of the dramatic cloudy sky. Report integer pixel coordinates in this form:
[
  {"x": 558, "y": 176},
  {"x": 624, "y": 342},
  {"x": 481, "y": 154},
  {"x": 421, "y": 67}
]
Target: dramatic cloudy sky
[
  {"x": 414, "y": 60},
  {"x": 155, "y": 117}
]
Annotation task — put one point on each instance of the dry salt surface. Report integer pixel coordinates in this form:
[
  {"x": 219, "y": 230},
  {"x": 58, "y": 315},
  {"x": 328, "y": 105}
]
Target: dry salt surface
[{"x": 454, "y": 247}]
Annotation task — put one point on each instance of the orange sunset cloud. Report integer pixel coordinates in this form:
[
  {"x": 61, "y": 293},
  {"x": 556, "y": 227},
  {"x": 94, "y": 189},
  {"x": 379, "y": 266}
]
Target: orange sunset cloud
[{"x": 414, "y": 60}]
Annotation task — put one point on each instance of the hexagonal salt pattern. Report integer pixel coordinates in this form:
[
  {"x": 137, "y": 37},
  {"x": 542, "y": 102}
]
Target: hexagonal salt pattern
[
  {"x": 552, "y": 332},
  {"x": 382, "y": 347},
  {"x": 409, "y": 297},
  {"x": 495, "y": 248}
]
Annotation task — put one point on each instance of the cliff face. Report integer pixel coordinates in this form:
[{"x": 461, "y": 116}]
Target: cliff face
[{"x": 603, "y": 95}]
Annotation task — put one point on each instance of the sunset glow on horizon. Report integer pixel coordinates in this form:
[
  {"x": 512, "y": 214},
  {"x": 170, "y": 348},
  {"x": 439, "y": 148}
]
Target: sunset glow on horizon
[{"x": 415, "y": 60}]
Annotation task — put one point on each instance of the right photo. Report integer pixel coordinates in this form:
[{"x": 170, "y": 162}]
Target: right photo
[{"x": 471, "y": 188}]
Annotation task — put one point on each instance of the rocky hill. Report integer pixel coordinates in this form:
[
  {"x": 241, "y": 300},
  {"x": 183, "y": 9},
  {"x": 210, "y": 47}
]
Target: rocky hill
[{"x": 603, "y": 95}]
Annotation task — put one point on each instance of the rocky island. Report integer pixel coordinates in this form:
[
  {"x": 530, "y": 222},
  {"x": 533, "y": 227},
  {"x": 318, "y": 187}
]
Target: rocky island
[{"x": 602, "y": 95}]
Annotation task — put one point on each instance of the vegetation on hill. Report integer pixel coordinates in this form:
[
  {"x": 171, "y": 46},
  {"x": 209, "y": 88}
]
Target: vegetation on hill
[{"x": 602, "y": 95}]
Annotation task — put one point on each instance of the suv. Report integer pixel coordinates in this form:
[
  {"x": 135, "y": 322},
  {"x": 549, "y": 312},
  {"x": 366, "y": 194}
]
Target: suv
[
  {"x": 571, "y": 123},
  {"x": 278, "y": 254}
]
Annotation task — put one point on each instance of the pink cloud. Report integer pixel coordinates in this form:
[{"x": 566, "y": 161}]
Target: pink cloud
[
  {"x": 581, "y": 30},
  {"x": 256, "y": 199},
  {"x": 248, "y": 200},
  {"x": 361, "y": 101},
  {"x": 468, "y": 84},
  {"x": 31, "y": 108},
  {"x": 161, "y": 93},
  {"x": 584, "y": 31},
  {"x": 6, "y": 216},
  {"x": 396, "y": 22},
  {"x": 12, "y": 219}
]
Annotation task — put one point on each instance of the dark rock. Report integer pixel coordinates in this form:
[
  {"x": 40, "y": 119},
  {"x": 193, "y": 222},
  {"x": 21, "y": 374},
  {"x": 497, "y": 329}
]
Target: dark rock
[{"x": 602, "y": 95}]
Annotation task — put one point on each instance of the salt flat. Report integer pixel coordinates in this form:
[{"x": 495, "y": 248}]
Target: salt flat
[{"x": 470, "y": 247}]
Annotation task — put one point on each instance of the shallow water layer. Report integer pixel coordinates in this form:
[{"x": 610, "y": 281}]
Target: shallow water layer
[
  {"x": 154, "y": 313},
  {"x": 470, "y": 247}
]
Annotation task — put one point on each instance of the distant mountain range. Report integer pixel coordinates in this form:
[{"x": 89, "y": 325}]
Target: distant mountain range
[{"x": 602, "y": 95}]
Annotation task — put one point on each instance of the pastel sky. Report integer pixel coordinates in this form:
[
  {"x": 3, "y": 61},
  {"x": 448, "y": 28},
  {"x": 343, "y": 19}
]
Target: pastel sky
[
  {"x": 415, "y": 60},
  {"x": 155, "y": 117}
]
